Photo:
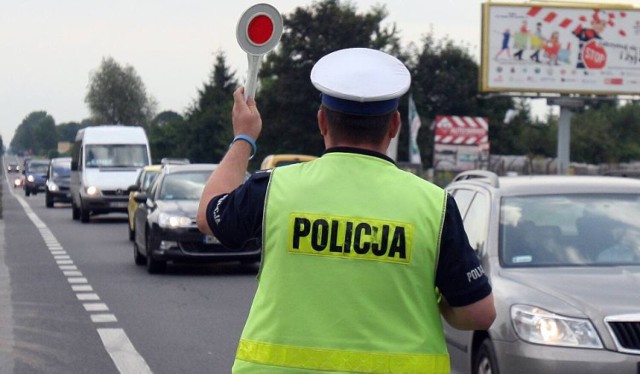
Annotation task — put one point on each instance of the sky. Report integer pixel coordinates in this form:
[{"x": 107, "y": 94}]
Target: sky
[{"x": 48, "y": 49}]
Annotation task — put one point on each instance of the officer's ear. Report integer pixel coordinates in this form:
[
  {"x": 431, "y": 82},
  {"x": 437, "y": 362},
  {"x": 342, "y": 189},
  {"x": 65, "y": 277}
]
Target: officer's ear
[
  {"x": 322, "y": 122},
  {"x": 395, "y": 125}
]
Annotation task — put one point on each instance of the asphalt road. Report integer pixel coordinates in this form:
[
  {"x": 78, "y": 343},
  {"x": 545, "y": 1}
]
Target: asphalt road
[{"x": 73, "y": 301}]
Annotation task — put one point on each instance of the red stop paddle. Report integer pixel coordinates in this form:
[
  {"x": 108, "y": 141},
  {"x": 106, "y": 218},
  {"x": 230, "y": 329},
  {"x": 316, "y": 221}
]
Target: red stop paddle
[{"x": 258, "y": 32}]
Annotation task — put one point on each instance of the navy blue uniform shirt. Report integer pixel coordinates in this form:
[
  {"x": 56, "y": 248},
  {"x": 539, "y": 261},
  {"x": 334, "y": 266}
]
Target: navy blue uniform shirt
[{"x": 236, "y": 218}]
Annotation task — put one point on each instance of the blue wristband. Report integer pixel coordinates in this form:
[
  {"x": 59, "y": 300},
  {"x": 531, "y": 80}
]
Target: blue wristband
[{"x": 247, "y": 139}]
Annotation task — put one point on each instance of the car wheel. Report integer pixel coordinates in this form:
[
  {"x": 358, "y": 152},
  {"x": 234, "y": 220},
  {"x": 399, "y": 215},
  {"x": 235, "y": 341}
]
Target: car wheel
[
  {"x": 48, "y": 200},
  {"x": 137, "y": 256},
  {"x": 485, "y": 359},
  {"x": 75, "y": 212},
  {"x": 27, "y": 192},
  {"x": 154, "y": 266},
  {"x": 84, "y": 214}
]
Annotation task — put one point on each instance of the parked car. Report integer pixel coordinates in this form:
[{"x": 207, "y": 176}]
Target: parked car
[
  {"x": 58, "y": 181},
  {"x": 272, "y": 161},
  {"x": 145, "y": 177},
  {"x": 35, "y": 176},
  {"x": 165, "y": 222},
  {"x": 563, "y": 256}
]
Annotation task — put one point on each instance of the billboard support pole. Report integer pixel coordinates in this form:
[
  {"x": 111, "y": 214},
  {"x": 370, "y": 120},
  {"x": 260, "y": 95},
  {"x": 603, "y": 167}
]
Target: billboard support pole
[
  {"x": 564, "y": 128},
  {"x": 564, "y": 139}
]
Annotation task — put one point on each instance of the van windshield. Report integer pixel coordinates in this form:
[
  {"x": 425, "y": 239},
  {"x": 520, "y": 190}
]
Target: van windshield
[{"x": 116, "y": 155}]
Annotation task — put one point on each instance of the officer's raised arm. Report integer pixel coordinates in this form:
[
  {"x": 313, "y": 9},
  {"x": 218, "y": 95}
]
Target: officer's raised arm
[{"x": 230, "y": 174}]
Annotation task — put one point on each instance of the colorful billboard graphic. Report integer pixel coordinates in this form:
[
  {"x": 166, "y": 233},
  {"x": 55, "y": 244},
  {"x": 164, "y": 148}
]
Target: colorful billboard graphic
[{"x": 569, "y": 48}]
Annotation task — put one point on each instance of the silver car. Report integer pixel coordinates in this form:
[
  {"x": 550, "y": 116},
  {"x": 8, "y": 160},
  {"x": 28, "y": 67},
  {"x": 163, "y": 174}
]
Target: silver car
[{"x": 563, "y": 256}]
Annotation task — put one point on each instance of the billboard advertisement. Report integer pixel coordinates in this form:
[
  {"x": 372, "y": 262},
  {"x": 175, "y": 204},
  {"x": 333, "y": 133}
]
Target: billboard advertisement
[{"x": 560, "y": 48}]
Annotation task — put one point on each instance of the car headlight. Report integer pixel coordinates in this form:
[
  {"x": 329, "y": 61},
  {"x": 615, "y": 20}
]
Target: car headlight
[
  {"x": 31, "y": 178},
  {"x": 539, "y": 326},
  {"x": 172, "y": 221},
  {"x": 53, "y": 187},
  {"x": 92, "y": 191}
]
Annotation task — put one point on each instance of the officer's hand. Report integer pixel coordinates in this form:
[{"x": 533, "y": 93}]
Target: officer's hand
[{"x": 245, "y": 115}]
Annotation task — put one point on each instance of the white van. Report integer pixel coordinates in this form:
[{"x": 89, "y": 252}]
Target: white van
[{"x": 105, "y": 161}]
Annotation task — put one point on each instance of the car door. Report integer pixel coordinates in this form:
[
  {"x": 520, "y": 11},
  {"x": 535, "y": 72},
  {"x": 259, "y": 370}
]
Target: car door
[
  {"x": 140, "y": 217},
  {"x": 474, "y": 206}
]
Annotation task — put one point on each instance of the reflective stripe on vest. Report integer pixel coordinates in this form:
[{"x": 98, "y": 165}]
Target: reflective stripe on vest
[{"x": 341, "y": 360}]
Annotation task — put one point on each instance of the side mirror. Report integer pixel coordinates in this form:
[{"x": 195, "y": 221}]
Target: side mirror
[{"x": 140, "y": 197}]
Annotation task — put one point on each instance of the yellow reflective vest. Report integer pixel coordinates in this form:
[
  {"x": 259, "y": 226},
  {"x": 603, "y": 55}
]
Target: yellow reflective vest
[{"x": 347, "y": 281}]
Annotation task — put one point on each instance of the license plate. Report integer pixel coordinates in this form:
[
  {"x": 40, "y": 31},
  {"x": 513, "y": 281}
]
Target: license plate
[
  {"x": 119, "y": 204},
  {"x": 210, "y": 239}
]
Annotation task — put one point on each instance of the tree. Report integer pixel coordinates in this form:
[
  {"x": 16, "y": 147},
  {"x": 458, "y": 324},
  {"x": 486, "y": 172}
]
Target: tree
[
  {"x": 606, "y": 134},
  {"x": 67, "y": 131},
  {"x": 207, "y": 131},
  {"x": 117, "y": 95},
  {"x": 445, "y": 82},
  {"x": 36, "y": 134},
  {"x": 166, "y": 133},
  {"x": 287, "y": 99}
]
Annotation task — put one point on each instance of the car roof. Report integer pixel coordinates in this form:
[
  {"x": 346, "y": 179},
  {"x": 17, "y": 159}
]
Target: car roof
[
  {"x": 548, "y": 184},
  {"x": 177, "y": 168},
  {"x": 37, "y": 161}
]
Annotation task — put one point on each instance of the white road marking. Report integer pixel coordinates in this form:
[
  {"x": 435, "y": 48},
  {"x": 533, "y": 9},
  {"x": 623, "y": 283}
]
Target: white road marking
[
  {"x": 88, "y": 296},
  {"x": 77, "y": 280},
  {"x": 103, "y": 318},
  {"x": 72, "y": 273},
  {"x": 82, "y": 287},
  {"x": 95, "y": 307},
  {"x": 117, "y": 344},
  {"x": 123, "y": 353}
]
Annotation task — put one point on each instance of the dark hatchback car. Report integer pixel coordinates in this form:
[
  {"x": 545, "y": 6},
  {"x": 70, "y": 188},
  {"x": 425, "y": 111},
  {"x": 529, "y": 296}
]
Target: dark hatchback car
[
  {"x": 35, "y": 176},
  {"x": 58, "y": 181},
  {"x": 165, "y": 222}
]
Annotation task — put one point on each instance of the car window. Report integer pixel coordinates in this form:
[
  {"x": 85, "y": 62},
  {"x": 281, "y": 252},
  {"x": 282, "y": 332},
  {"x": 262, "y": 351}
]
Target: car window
[
  {"x": 38, "y": 168},
  {"x": 183, "y": 185},
  {"x": 61, "y": 170},
  {"x": 476, "y": 221},
  {"x": 116, "y": 155},
  {"x": 572, "y": 229},
  {"x": 148, "y": 177}
]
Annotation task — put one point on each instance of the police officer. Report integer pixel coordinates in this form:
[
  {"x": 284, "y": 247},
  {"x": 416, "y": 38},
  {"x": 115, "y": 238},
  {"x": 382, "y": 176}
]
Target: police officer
[{"x": 360, "y": 259}]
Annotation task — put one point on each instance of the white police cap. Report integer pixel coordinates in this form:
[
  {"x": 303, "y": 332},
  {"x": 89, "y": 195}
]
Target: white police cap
[{"x": 361, "y": 81}]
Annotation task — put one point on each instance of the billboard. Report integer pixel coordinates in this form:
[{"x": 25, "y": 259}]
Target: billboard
[
  {"x": 460, "y": 143},
  {"x": 560, "y": 48}
]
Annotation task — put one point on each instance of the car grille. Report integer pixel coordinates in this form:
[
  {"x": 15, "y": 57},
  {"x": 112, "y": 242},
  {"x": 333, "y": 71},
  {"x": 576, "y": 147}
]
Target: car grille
[
  {"x": 116, "y": 193},
  {"x": 201, "y": 248},
  {"x": 627, "y": 335}
]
